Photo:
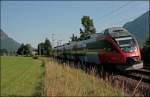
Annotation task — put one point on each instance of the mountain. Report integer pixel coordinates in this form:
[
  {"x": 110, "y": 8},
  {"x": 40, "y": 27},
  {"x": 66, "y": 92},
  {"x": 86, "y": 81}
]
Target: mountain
[
  {"x": 139, "y": 28},
  {"x": 7, "y": 43}
]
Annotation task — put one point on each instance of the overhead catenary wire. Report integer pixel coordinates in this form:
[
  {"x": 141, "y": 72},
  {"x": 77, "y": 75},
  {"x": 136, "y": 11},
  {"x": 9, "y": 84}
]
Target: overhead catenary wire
[
  {"x": 108, "y": 19},
  {"x": 108, "y": 15},
  {"x": 112, "y": 12},
  {"x": 120, "y": 21}
]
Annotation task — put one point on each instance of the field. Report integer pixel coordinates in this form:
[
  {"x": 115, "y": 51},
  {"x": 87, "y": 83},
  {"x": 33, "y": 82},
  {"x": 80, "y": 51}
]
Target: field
[
  {"x": 20, "y": 76},
  {"x": 64, "y": 80},
  {"x": 25, "y": 76}
]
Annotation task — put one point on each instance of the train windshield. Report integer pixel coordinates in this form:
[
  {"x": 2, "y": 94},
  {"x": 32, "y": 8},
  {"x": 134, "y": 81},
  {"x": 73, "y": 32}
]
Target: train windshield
[{"x": 126, "y": 44}]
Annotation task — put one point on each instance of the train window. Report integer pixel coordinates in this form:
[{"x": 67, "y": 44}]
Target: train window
[
  {"x": 127, "y": 44},
  {"x": 94, "y": 45},
  {"x": 106, "y": 32},
  {"x": 108, "y": 47},
  {"x": 101, "y": 45},
  {"x": 122, "y": 42},
  {"x": 120, "y": 30},
  {"x": 125, "y": 41}
]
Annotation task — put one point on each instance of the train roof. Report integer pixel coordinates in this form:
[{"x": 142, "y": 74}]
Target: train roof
[
  {"x": 117, "y": 32},
  {"x": 114, "y": 32}
]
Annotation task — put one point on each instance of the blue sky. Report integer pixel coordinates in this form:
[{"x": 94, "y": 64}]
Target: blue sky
[{"x": 33, "y": 21}]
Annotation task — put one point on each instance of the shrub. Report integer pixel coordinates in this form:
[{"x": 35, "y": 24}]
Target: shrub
[{"x": 35, "y": 57}]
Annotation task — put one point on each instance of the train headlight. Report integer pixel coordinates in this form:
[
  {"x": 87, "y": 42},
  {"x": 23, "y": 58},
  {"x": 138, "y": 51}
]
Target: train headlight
[
  {"x": 133, "y": 49},
  {"x": 129, "y": 49}
]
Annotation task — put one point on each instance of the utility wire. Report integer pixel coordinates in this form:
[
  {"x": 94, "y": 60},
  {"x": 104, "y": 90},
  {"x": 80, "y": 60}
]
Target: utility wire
[
  {"x": 108, "y": 20},
  {"x": 112, "y": 12},
  {"x": 109, "y": 14},
  {"x": 129, "y": 18}
]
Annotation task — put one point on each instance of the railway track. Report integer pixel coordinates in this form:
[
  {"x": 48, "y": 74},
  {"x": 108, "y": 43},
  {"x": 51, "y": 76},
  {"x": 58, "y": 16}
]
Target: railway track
[
  {"x": 133, "y": 74},
  {"x": 127, "y": 79},
  {"x": 142, "y": 71},
  {"x": 131, "y": 79},
  {"x": 139, "y": 74}
]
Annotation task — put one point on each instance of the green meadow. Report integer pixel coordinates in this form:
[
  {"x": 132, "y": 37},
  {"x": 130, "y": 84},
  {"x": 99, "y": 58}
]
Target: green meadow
[
  {"x": 25, "y": 76},
  {"x": 20, "y": 76}
]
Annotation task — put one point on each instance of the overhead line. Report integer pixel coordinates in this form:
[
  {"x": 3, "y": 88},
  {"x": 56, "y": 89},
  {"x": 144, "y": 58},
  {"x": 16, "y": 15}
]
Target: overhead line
[
  {"x": 108, "y": 14},
  {"x": 113, "y": 11},
  {"x": 118, "y": 21}
]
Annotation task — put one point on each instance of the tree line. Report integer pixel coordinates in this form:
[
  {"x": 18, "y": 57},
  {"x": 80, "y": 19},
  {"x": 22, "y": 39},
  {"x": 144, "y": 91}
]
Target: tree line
[{"x": 44, "y": 48}]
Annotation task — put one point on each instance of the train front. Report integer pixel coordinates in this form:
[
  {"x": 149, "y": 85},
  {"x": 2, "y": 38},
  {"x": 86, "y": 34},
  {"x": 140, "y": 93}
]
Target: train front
[{"x": 130, "y": 51}]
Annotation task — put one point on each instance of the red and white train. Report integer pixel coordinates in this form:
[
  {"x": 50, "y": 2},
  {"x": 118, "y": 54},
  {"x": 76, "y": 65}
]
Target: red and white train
[{"x": 114, "y": 46}]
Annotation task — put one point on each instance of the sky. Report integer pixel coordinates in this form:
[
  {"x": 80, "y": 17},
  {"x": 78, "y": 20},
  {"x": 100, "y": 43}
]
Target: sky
[{"x": 33, "y": 21}]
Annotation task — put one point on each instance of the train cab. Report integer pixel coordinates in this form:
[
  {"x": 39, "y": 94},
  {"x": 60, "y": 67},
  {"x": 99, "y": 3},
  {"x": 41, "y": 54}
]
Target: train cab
[{"x": 127, "y": 49}]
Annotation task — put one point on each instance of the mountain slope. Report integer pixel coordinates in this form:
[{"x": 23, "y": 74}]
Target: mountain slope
[
  {"x": 7, "y": 43},
  {"x": 139, "y": 27}
]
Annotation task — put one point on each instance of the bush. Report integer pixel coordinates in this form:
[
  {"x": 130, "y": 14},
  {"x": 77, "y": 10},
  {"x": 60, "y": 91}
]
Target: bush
[{"x": 35, "y": 57}]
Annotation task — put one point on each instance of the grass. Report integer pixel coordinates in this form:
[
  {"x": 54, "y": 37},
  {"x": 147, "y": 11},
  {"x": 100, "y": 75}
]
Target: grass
[
  {"x": 20, "y": 76},
  {"x": 24, "y": 76},
  {"x": 63, "y": 80}
]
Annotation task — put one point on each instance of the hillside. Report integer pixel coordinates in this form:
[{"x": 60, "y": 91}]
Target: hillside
[
  {"x": 139, "y": 27},
  {"x": 7, "y": 43}
]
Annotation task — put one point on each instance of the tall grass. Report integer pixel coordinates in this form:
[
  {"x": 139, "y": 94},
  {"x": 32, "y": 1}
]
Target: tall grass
[{"x": 63, "y": 80}]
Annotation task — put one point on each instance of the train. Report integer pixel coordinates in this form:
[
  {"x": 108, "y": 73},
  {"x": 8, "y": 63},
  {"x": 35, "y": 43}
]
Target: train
[{"x": 114, "y": 46}]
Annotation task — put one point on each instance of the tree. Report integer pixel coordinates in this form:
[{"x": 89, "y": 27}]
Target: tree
[
  {"x": 83, "y": 35},
  {"x": 74, "y": 38},
  {"x": 20, "y": 50},
  {"x": 27, "y": 50},
  {"x": 24, "y": 50},
  {"x": 88, "y": 27},
  {"x": 148, "y": 42},
  {"x": 146, "y": 51},
  {"x": 45, "y": 48},
  {"x": 41, "y": 48}
]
